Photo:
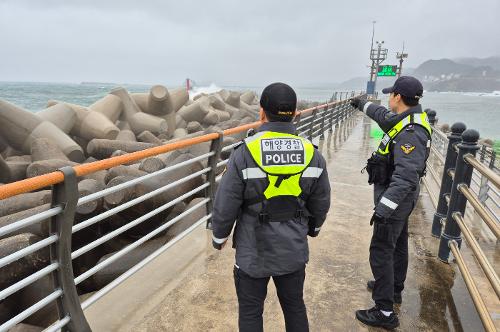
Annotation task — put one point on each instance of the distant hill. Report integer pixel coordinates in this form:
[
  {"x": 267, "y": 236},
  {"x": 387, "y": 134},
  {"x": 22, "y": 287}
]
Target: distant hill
[
  {"x": 468, "y": 75},
  {"x": 459, "y": 75},
  {"x": 492, "y": 61},
  {"x": 464, "y": 85},
  {"x": 437, "y": 68}
]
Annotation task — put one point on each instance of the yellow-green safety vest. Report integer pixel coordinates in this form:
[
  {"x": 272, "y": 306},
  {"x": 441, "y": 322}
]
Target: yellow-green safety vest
[
  {"x": 415, "y": 118},
  {"x": 283, "y": 157}
]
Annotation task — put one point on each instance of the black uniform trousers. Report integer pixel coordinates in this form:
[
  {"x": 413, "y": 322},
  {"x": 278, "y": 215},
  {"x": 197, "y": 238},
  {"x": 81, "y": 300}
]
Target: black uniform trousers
[
  {"x": 252, "y": 292},
  {"x": 389, "y": 260}
]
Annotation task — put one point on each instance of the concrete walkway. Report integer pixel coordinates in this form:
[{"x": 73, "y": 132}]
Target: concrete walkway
[{"x": 190, "y": 287}]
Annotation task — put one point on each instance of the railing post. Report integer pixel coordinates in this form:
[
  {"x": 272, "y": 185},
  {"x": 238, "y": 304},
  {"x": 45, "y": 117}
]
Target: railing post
[
  {"x": 492, "y": 159},
  {"x": 463, "y": 175},
  {"x": 323, "y": 116},
  {"x": 344, "y": 110},
  {"x": 350, "y": 110},
  {"x": 66, "y": 194},
  {"x": 338, "y": 112},
  {"x": 311, "y": 124},
  {"x": 431, "y": 115},
  {"x": 346, "y": 117},
  {"x": 296, "y": 122},
  {"x": 482, "y": 153},
  {"x": 451, "y": 158},
  {"x": 215, "y": 147},
  {"x": 337, "y": 121},
  {"x": 483, "y": 186},
  {"x": 330, "y": 119}
]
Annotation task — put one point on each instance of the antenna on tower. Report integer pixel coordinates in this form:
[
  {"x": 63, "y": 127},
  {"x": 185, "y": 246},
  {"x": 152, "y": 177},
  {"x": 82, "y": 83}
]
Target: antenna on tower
[
  {"x": 401, "y": 56},
  {"x": 373, "y": 33},
  {"x": 377, "y": 56}
]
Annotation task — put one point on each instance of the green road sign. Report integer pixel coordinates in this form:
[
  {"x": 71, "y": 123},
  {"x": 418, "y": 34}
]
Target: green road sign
[{"x": 387, "y": 70}]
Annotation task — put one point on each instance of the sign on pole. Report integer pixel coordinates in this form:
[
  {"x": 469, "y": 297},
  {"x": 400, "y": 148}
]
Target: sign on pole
[{"x": 387, "y": 70}]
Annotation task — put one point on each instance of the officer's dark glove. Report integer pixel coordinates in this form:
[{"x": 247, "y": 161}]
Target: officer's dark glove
[
  {"x": 355, "y": 102},
  {"x": 382, "y": 230},
  {"x": 358, "y": 103},
  {"x": 377, "y": 219},
  {"x": 250, "y": 132},
  {"x": 312, "y": 232}
]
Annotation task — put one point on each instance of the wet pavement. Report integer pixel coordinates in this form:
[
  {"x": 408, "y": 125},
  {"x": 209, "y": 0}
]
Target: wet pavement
[{"x": 190, "y": 287}]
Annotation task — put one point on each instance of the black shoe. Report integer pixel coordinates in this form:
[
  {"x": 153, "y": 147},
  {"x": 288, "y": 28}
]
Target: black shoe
[
  {"x": 398, "y": 299},
  {"x": 374, "y": 317}
]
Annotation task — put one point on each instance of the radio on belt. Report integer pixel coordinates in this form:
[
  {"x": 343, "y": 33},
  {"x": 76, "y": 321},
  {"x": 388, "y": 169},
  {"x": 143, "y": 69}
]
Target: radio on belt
[{"x": 282, "y": 151}]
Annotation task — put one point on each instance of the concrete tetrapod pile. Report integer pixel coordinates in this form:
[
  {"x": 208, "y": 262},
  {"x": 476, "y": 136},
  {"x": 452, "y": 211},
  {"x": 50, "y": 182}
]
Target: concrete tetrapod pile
[{"x": 66, "y": 134}]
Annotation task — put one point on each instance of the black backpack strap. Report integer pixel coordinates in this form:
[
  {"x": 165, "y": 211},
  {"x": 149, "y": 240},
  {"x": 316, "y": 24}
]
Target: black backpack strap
[{"x": 289, "y": 209}]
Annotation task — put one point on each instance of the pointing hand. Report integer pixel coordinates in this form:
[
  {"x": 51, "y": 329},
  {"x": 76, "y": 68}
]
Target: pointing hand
[{"x": 358, "y": 103}]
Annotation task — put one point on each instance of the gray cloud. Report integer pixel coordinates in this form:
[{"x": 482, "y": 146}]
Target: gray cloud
[{"x": 232, "y": 42}]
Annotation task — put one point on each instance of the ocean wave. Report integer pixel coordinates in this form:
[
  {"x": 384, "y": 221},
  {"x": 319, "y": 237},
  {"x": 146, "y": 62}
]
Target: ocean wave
[
  {"x": 473, "y": 94},
  {"x": 196, "y": 90},
  {"x": 483, "y": 94}
]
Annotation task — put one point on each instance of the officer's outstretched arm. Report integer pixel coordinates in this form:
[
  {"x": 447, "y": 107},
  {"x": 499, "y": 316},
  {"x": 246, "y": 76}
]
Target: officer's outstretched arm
[
  {"x": 409, "y": 151},
  {"x": 318, "y": 202},
  {"x": 228, "y": 201},
  {"x": 379, "y": 114}
]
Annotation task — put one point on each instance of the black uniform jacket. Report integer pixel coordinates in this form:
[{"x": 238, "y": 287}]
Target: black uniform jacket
[
  {"x": 268, "y": 248},
  {"x": 408, "y": 154}
]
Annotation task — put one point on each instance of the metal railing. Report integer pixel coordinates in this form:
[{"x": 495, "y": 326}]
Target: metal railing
[
  {"x": 311, "y": 123},
  {"x": 465, "y": 179}
]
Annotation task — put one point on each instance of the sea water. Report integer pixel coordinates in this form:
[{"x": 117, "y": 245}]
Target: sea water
[{"x": 478, "y": 111}]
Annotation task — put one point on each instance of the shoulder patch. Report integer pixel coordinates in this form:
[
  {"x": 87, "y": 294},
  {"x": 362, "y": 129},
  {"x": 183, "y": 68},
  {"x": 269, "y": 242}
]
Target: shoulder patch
[{"x": 407, "y": 148}]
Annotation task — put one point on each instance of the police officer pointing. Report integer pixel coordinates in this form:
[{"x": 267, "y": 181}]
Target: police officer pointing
[
  {"x": 395, "y": 170},
  {"x": 277, "y": 190}
]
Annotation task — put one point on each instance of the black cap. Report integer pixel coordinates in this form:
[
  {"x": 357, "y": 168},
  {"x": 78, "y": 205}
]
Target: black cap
[
  {"x": 279, "y": 101},
  {"x": 407, "y": 86}
]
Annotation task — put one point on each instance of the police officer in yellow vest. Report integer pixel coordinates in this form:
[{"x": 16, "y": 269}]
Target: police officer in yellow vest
[
  {"x": 395, "y": 170},
  {"x": 277, "y": 190}
]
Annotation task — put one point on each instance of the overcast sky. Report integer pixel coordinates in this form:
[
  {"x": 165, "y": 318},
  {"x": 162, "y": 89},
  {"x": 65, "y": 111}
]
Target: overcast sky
[{"x": 251, "y": 42}]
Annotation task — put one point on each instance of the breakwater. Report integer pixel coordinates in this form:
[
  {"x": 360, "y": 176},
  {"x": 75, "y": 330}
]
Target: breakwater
[{"x": 67, "y": 134}]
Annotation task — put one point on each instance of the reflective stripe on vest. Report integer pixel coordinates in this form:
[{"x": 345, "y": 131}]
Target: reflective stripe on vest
[
  {"x": 257, "y": 173},
  {"x": 418, "y": 118},
  {"x": 283, "y": 158}
]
